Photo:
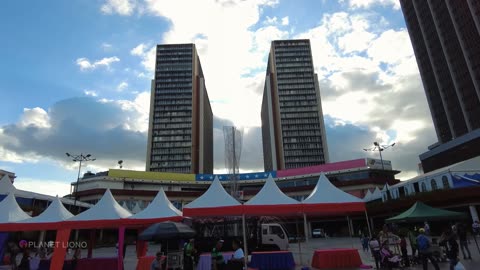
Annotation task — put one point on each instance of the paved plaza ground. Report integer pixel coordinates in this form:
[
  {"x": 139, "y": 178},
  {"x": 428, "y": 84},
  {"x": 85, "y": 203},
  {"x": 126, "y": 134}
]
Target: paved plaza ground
[{"x": 306, "y": 255}]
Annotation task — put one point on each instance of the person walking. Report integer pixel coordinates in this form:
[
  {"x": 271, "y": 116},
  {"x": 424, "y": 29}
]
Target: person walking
[
  {"x": 375, "y": 249},
  {"x": 403, "y": 249},
  {"x": 448, "y": 240},
  {"x": 424, "y": 250},
  {"x": 462, "y": 237}
]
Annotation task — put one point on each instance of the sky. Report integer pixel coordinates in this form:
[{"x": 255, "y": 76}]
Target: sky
[{"x": 76, "y": 78}]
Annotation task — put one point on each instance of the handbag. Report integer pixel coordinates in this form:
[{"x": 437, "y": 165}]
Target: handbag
[{"x": 459, "y": 266}]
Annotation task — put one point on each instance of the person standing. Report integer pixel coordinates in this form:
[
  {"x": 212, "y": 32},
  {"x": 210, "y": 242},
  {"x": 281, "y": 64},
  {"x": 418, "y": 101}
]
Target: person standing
[
  {"x": 462, "y": 237},
  {"x": 426, "y": 228},
  {"x": 218, "y": 262},
  {"x": 476, "y": 227},
  {"x": 412, "y": 237},
  {"x": 423, "y": 244},
  {"x": 189, "y": 252},
  {"x": 157, "y": 264},
  {"x": 237, "y": 261},
  {"x": 448, "y": 239},
  {"x": 403, "y": 249},
  {"x": 365, "y": 243}
]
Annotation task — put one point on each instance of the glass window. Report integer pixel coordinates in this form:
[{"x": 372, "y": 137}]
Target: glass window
[
  {"x": 424, "y": 187},
  {"x": 445, "y": 182},
  {"x": 277, "y": 231},
  {"x": 433, "y": 183}
]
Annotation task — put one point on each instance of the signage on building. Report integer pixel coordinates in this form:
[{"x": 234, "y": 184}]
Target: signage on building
[{"x": 377, "y": 164}]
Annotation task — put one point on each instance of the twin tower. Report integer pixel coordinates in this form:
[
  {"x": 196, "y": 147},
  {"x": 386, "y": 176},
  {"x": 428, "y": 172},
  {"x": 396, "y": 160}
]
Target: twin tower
[{"x": 180, "y": 133}]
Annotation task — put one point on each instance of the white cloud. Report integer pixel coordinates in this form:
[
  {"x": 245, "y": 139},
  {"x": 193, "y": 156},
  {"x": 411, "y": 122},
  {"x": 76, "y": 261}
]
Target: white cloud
[
  {"x": 122, "y": 7},
  {"x": 270, "y": 20},
  {"x": 122, "y": 86},
  {"x": 37, "y": 117},
  {"x": 91, "y": 93},
  {"x": 86, "y": 64},
  {"x": 49, "y": 187},
  {"x": 106, "y": 46},
  {"x": 365, "y": 4},
  {"x": 285, "y": 20}
]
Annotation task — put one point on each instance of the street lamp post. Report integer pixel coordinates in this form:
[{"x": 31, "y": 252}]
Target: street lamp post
[
  {"x": 380, "y": 148},
  {"x": 80, "y": 158}
]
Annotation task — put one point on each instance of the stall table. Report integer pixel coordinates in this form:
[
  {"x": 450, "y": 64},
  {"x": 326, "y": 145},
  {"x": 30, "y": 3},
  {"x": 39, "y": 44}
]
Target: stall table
[
  {"x": 205, "y": 260},
  {"x": 336, "y": 258},
  {"x": 144, "y": 263},
  {"x": 272, "y": 260}
]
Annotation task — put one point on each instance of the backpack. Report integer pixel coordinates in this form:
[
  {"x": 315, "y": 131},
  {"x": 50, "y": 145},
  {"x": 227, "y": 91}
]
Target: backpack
[{"x": 423, "y": 243}]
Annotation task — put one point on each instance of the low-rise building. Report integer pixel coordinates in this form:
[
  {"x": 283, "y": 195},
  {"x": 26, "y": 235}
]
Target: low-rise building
[{"x": 135, "y": 189}]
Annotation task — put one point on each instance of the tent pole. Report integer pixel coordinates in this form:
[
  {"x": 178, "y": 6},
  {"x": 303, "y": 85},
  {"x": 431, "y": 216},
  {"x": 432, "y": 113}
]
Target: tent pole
[
  {"x": 244, "y": 228},
  {"x": 305, "y": 227},
  {"x": 368, "y": 224},
  {"x": 121, "y": 239},
  {"x": 299, "y": 244}
]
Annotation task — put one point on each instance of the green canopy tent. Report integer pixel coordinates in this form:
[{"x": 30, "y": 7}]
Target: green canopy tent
[{"x": 421, "y": 212}]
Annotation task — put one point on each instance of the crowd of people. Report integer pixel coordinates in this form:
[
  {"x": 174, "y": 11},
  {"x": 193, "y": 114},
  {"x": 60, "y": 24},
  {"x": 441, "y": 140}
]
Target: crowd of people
[{"x": 389, "y": 247}]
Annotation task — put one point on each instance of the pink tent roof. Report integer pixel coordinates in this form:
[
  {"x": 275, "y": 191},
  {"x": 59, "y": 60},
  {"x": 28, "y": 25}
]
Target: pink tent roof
[
  {"x": 329, "y": 167},
  {"x": 268, "y": 200},
  {"x": 159, "y": 209},
  {"x": 214, "y": 202},
  {"x": 10, "y": 211},
  {"x": 327, "y": 198}
]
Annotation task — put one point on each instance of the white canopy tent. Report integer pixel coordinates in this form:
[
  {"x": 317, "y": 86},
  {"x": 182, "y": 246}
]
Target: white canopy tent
[
  {"x": 327, "y": 199},
  {"x": 368, "y": 196},
  {"x": 214, "y": 202},
  {"x": 10, "y": 211},
  {"x": 106, "y": 211},
  {"x": 268, "y": 199},
  {"x": 159, "y": 208},
  {"x": 55, "y": 212}
]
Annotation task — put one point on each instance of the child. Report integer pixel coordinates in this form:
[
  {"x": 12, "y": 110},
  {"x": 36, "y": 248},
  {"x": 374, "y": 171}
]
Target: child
[{"x": 365, "y": 243}]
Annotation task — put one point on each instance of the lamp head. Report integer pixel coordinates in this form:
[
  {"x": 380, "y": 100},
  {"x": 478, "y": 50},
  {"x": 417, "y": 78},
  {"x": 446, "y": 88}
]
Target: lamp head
[
  {"x": 88, "y": 155},
  {"x": 67, "y": 154}
]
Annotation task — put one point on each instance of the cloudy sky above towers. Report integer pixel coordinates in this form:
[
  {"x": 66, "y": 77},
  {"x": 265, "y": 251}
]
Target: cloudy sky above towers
[{"x": 76, "y": 78}]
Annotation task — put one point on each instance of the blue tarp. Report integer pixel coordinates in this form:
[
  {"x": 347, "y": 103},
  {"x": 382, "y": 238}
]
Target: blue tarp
[
  {"x": 241, "y": 176},
  {"x": 3, "y": 244},
  {"x": 20, "y": 201},
  {"x": 466, "y": 180}
]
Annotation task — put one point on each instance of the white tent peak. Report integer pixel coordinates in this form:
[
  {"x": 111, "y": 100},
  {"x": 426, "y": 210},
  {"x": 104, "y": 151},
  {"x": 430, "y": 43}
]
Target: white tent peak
[
  {"x": 368, "y": 196},
  {"x": 6, "y": 185},
  {"x": 270, "y": 194},
  {"x": 106, "y": 208},
  {"x": 55, "y": 212},
  {"x": 136, "y": 209},
  {"x": 10, "y": 210},
  {"x": 215, "y": 196},
  {"x": 326, "y": 192},
  {"x": 160, "y": 207}
]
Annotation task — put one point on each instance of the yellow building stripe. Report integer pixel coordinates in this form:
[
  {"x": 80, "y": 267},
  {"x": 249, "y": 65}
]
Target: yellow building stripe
[{"x": 151, "y": 175}]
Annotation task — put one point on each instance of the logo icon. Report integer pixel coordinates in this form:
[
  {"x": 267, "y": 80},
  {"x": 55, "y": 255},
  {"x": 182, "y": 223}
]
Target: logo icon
[{"x": 23, "y": 243}]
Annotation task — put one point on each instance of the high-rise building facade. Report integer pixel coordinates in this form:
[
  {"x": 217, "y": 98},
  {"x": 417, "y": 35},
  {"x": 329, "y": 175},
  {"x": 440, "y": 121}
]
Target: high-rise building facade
[
  {"x": 445, "y": 35},
  {"x": 293, "y": 130},
  {"x": 180, "y": 134}
]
